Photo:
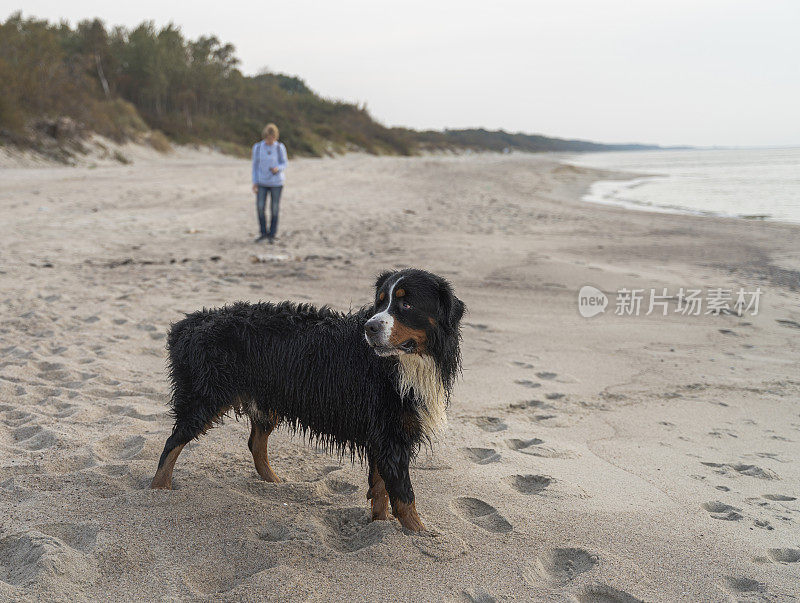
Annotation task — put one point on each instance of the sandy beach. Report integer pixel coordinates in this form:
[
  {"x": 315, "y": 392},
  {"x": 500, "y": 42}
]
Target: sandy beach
[{"x": 614, "y": 458}]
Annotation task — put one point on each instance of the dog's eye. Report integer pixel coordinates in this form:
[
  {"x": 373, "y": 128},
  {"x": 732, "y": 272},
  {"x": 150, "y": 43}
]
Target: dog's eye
[{"x": 405, "y": 305}]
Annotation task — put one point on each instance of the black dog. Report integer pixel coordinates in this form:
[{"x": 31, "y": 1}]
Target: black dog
[{"x": 374, "y": 383}]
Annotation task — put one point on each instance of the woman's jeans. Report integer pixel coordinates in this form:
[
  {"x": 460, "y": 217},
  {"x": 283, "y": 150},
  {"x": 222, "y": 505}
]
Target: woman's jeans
[{"x": 274, "y": 206}]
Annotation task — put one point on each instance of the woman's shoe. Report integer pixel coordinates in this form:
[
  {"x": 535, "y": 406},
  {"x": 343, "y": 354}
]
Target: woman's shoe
[{"x": 261, "y": 238}]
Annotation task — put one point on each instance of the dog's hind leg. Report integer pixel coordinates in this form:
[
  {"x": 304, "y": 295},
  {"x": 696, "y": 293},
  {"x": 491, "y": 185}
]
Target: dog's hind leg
[
  {"x": 377, "y": 493},
  {"x": 258, "y": 446},
  {"x": 183, "y": 432},
  {"x": 175, "y": 443}
]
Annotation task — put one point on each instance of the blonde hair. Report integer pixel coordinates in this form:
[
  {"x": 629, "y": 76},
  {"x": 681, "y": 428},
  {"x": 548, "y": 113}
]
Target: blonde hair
[{"x": 270, "y": 129}]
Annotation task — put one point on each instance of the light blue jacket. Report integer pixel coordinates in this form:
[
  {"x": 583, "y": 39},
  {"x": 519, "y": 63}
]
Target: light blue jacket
[{"x": 266, "y": 157}]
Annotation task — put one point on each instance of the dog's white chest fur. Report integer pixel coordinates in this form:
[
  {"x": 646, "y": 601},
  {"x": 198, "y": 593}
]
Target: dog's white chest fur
[{"x": 419, "y": 373}]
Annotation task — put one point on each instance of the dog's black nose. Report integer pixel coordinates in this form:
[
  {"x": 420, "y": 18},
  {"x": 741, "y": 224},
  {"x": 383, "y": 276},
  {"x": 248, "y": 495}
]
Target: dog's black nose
[{"x": 373, "y": 326}]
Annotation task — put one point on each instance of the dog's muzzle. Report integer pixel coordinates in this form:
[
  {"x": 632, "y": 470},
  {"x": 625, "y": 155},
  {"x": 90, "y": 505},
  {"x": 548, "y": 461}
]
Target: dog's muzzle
[{"x": 377, "y": 331}]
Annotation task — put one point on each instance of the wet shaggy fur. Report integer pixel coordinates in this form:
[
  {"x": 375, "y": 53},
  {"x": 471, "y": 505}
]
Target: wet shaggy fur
[{"x": 312, "y": 370}]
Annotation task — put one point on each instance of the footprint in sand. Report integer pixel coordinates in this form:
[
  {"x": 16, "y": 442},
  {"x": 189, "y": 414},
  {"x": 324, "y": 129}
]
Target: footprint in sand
[
  {"x": 784, "y": 555},
  {"x": 349, "y": 530},
  {"x": 274, "y": 532},
  {"x": 601, "y": 593},
  {"x": 527, "y": 383},
  {"x": 481, "y": 456},
  {"x": 735, "y": 585},
  {"x": 788, "y": 323},
  {"x": 490, "y": 424},
  {"x": 481, "y": 514},
  {"x": 119, "y": 447},
  {"x": 32, "y": 556},
  {"x": 521, "y": 364},
  {"x": 560, "y": 566},
  {"x": 529, "y": 404},
  {"x": 478, "y": 595},
  {"x": 34, "y": 437},
  {"x": 546, "y": 375},
  {"x": 17, "y": 418},
  {"x": 529, "y": 484},
  {"x": 131, "y": 411},
  {"x": 743, "y": 469},
  {"x": 79, "y": 536},
  {"x": 521, "y": 445},
  {"x": 719, "y": 510},
  {"x": 340, "y": 486},
  {"x": 779, "y": 497},
  {"x": 534, "y": 448}
]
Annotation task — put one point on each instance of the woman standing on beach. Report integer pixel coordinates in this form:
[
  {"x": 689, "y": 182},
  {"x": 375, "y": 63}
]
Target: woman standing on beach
[{"x": 269, "y": 162}]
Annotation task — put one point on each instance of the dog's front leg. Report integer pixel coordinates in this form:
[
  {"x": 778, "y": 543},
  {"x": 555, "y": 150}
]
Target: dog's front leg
[
  {"x": 394, "y": 470},
  {"x": 377, "y": 493}
]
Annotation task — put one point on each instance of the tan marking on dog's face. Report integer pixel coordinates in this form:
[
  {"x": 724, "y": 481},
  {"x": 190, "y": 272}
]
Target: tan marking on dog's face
[
  {"x": 400, "y": 293},
  {"x": 402, "y": 333},
  {"x": 382, "y": 296}
]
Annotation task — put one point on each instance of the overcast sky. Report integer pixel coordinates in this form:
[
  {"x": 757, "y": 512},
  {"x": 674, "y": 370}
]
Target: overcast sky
[{"x": 700, "y": 72}]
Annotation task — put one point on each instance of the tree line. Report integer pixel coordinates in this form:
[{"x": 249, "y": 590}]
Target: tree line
[
  {"x": 118, "y": 82},
  {"x": 123, "y": 83}
]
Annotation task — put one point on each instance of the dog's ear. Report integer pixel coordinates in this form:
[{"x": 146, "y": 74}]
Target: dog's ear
[
  {"x": 382, "y": 278},
  {"x": 452, "y": 308}
]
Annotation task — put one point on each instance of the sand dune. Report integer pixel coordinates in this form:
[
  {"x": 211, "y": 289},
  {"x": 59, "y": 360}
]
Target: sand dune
[{"x": 607, "y": 459}]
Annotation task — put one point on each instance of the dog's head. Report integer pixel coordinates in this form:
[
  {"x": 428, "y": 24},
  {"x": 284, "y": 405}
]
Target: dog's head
[{"x": 415, "y": 312}]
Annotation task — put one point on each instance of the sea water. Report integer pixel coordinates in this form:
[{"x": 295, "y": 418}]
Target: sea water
[{"x": 761, "y": 184}]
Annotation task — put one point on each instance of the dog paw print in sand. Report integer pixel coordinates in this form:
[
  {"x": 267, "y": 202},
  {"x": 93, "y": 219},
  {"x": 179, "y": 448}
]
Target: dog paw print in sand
[
  {"x": 481, "y": 456},
  {"x": 560, "y": 566},
  {"x": 527, "y": 383},
  {"x": 481, "y": 514},
  {"x": 490, "y": 424},
  {"x": 529, "y": 484}
]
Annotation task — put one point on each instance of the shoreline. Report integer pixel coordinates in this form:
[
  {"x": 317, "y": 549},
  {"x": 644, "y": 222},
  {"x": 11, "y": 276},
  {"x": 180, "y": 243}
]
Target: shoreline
[{"x": 613, "y": 191}]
